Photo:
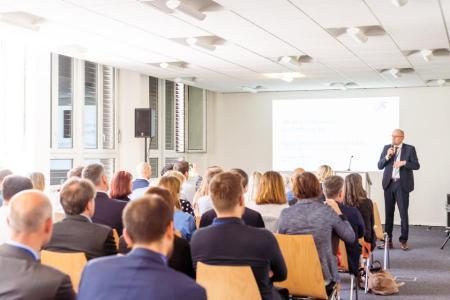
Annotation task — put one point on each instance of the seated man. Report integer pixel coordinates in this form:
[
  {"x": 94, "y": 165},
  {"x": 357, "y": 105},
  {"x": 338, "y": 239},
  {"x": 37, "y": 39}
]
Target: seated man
[
  {"x": 12, "y": 185},
  {"x": 250, "y": 217},
  {"x": 143, "y": 273},
  {"x": 228, "y": 241},
  {"x": 144, "y": 171},
  {"x": 107, "y": 211},
  {"x": 22, "y": 276},
  {"x": 76, "y": 232}
]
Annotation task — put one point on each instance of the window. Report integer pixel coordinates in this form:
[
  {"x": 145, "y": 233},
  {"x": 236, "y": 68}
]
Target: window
[
  {"x": 85, "y": 112},
  {"x": 154, "y": 162},
  {"x": 179, "y": 117},
  {"x": 153, "y": 100},
  {"x": 196, "y": 119},
  {"x": 169, "y": 113}
]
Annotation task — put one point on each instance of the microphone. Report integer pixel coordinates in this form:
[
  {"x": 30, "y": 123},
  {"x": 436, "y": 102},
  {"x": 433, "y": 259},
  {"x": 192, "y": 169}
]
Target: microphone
[
  {"x": 350, "y": 163},
  {"x": 395, "y": 149}
]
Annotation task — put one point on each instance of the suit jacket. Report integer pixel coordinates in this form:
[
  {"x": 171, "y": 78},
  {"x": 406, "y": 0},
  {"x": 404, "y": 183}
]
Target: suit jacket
[
  {"x": 228, "y": 241},
  {"x": 108, "y": 211},
  {"x": 408, "y": 153},
  {"x": 78, "y": 234},
  {"x": 139, "y": 183},
  {"x": 22, "y": 277},
  {"x": 250, "y": 217},
  {"x": 180, "y": 260},
  {"x": 141, "y": 274}
]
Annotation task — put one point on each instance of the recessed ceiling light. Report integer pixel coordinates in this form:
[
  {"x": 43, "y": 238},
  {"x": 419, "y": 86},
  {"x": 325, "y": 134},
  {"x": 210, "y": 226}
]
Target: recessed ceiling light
[
  {"x": 186, "y": 80},
  {"x": 399, "y": 3},
  {"x": 441, "y": 82},
  {"x": 199, "y": 43},
  {"x": 290, "y": 61},
  {"x": 175, "y": 66},
  {"x": 427, "y": 54},
  {"x": 286, "y": 76},
  {"x": 250, "y": 89},
  {"x": 357, "y": 34},
  {"x": 22, "y": 19},
  {"x": 186, "y": 9},
  {"x": 395, "y": 73}
]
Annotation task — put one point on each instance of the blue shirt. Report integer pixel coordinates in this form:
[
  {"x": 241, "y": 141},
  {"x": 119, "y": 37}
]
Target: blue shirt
[
  {"x": 184, "y": 223},
  {"x": 25, "y": 248}
]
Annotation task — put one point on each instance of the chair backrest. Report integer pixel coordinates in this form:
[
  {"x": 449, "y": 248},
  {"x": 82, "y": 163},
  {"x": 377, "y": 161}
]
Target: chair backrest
[
  {"x": 344, "y": 258},
  {"x": 70, "y": 263},
  {"x": 227, "y": 282},
  {"x": 377, "y": 227},
  {"x": 116, "y": 238},
  {"x": 305, "y": 277}
]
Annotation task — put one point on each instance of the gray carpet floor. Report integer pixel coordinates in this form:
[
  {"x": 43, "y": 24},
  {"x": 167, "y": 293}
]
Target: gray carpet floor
[{"x": 425, "y": 262}]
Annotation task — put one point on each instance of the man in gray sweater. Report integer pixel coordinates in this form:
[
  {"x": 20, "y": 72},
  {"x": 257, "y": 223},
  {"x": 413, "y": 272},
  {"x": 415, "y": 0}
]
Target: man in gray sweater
[{"x": 311, "y": 216}]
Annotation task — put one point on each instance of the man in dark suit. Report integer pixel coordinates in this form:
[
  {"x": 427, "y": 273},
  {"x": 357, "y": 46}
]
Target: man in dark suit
[
  {"x": 107, "y": 211},
  {"x": 228, "y": 241},
  {"x": 76, "y": 232},
  {"x": 22, "y": 276},
  {"x": 144, "y": 171},
  {"x": 143, "y": 273},
  {"x": 398, "y": 161},
  {"x": 250, "y": 218}
]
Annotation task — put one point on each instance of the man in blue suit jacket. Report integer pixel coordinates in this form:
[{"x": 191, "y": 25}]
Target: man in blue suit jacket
[
  {"x": 143, "y": 273},
  {"x": 144, "y": 170},
  {"x": 398, "y": 161}
]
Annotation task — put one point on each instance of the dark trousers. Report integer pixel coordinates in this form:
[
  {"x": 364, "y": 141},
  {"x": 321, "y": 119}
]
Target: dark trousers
[{"x": 394, "y": 194}]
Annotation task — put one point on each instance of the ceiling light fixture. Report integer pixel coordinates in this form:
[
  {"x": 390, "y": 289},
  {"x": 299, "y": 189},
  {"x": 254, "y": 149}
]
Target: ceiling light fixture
[
  {"x": 441, "y": 82},
  {"x": 198, "y": 43},
  {"x": 176, "y": 67},
  {"x": 250, "y": 90},
  {"x": 186, "y": 9},
  {"x": 289, "y": 61},
  {"x": 427, "y": 54},
  {"x": 186, "y": 80},
  {"x": 22, "y": 19},
  {"x": 357, "y": 34},
  {"x": 399, "y": 3},
  {"x": 395, "y": 73},
  {"x": 285, "y": 76}
]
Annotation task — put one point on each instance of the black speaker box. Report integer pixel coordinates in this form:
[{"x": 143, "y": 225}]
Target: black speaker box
[{"x": 143, "y": 122}]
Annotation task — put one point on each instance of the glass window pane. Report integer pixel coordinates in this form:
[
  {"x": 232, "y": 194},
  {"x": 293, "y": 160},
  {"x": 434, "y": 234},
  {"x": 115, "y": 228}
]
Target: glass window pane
[
  {"x": 196, "y": 119},
  {"x": 108, "y": 107},
  {"x": 153, "y": 96},
  {"x": 179, "y": 117},
  {"x": 155, "y": 166},
  {"x": 170, "y": 122},
  {"x": 65, "y": 102},
  {"x": 58, "y": 170},
  {"x": 90, "y": 105}
]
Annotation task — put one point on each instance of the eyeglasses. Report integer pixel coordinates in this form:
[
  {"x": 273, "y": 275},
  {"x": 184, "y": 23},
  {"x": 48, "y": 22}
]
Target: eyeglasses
[{"x": 396, "y": 136}]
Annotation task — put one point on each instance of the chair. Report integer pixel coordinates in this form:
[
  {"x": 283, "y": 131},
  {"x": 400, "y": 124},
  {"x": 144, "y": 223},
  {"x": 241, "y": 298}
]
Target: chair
[
  {"x": 377, "y": 227},
  {"x": 116, "y": 238},
  {"x": 227, "y": 282},
  {"x": 344, "y": 267},
  {"x": 70, "y": 263},
  {"x": 305, "y": 277}
]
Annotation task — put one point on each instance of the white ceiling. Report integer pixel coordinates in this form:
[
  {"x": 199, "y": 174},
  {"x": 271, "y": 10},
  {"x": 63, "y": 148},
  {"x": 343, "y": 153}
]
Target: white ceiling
[{"x": 137, "y": 36}]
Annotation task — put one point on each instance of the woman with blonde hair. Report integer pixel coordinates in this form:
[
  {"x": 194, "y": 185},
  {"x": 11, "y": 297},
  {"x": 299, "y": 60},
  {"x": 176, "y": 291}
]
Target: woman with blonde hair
[
  {"x": 202, "y": 200},
  {"x": 183, "y": 222},
  {"x": 323, "y": 172},
  {"x": 185, "y": 205},
  {"x": 253, "y": 186},
  {"x": 270, "y": 199},
  {"x": 38, "y": 180}
]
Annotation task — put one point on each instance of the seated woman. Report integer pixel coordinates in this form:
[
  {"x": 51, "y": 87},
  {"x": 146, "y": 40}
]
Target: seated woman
[
  {"x": 356, "y": 196},
  {"x": 185, "y": 205},
  {"x": 322, "y": 173},
  {"x": 202, "y": 201},
  {"x": 121, "y": 186},
  {"x": 270, "y": 199},
  {"x": 311, "y": 216},
  {"x": 183, "y": 222}
]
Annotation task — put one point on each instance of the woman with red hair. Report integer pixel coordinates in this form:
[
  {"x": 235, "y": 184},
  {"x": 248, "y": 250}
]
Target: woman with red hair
[{"x": 121, "y": 185}]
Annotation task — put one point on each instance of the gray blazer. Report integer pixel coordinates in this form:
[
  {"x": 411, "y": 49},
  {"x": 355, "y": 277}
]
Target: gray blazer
[
  {"x": 21, "y": 277},
  {"x": 311, "y": 216}
]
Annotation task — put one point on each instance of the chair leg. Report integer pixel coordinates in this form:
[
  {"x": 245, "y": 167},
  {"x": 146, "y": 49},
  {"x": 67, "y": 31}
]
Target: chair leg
[
  {"x": 352, "y": 285},
  {"x": 366, "y": 284}
]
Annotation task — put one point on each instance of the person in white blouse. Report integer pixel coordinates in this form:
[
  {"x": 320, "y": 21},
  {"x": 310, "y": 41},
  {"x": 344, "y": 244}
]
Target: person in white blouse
[{"x": 270, "y": 199}]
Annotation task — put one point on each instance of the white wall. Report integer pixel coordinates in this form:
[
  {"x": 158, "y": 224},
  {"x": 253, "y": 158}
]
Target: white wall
[{"x": 241, "y": 136}]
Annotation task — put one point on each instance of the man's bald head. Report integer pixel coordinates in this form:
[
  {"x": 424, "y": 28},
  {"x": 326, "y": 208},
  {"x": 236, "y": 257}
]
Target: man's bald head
[{"x": 29, "y": 211}]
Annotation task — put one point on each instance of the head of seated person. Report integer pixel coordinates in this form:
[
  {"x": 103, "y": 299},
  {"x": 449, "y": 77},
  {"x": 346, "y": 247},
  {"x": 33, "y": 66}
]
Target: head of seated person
[
  {"x": 244, "y": 177},
  {"x": 144, "y": 170},
  {"x": 96, "y": 174},
  {"x": 271, "y": 189},
  {"x": 14, "y": 184},
  {"x": 227, "y": 195},
  {"x": 75, "y": 172},
  {"x": 38, "y": 180},
  {"x": 333, "y": 188},
  {"x": 306, "y": 186},
  {"x": 77, "y": 197},
  {"x": 121, "y": 185}
]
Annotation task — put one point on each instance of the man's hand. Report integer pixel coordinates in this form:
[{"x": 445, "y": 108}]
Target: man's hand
[
  {"x": 390, "y": 152},
  {"x": 399, "y": 164},
  {"x": 270, "y": 273},
  {"x": 334, "y": 206}
]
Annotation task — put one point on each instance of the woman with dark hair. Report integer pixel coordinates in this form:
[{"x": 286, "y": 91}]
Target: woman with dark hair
[
  {"x": 356, "y": 196},
  {"x": 311, "y": 216},
  {"x": 121, "y": 186}
]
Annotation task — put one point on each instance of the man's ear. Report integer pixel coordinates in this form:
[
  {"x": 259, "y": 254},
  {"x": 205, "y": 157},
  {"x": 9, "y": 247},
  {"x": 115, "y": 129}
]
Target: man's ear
[
  {"x": 127, "y": 238},
  {"x": 242, "y": 200},
  {"x": 48, "y": 226},
  {"x": 170, "y": 231}
]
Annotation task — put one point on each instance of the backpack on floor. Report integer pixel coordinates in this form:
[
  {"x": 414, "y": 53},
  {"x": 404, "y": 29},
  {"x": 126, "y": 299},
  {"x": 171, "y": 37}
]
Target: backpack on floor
[{"x": 381, "y": 282}]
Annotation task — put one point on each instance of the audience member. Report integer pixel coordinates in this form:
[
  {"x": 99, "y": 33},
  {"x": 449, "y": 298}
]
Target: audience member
[
  {"x": 22, "y": 276},
  {"x": 270, "y": 199},
  {"x": 143, "y": 273},
  {"x": 323, "y": 172},
  {"x": 311, "y": 216},
  {"x": 107, "y": 211},
  {"x": 75, "y": 172},
  {"x": 250, "y": 217},
  {"x": 185, "y": 205},
  {"x": 230, "y": 242},
  {"x": 187, "y": 189},
  {"x": 76, "y": 232},
  {"x": 202, "y": 199},
  {"x": 38, "y": 180},
  {"x": 290, "y": 194},
  {"x": 144, "y": 171},
  {"x": 253, "y": 186},
  {"x": 121, "y": 186},
  {"x": 167, "y": 168},
  {"x": 183, "y": 222},
  {"x": 12, "y": 184},
  {"x": 3, "y": 174}
]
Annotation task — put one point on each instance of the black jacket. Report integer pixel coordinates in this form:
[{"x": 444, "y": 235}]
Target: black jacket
[
  {"x": 250, "y": 217},
  {"x": 108, "y": 211}
]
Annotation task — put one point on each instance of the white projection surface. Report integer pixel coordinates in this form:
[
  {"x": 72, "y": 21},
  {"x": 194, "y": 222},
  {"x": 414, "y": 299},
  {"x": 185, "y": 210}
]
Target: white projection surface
[{"x": 308, "y": 133}]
